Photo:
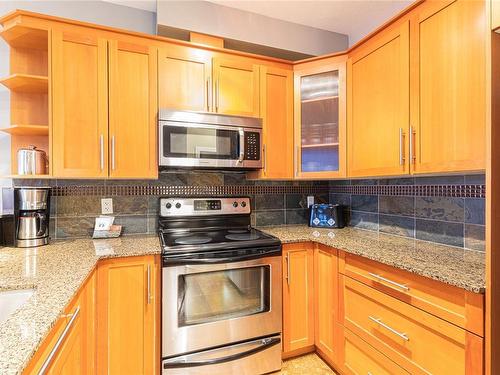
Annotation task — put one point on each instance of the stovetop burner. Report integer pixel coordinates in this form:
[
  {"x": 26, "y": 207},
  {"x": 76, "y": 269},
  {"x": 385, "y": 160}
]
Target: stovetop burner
[
  {"x": 242, "y": 236},
  {"x": 193, "y": 240}
]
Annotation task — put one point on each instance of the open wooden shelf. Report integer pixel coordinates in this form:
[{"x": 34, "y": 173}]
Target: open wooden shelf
[
  {"x": 25, "y": 37},
  {"x": 26, "y": 130},
  {"x": 319, "y": 99},
  {"x": 26, "y": 83},
  {"x": 318, "y": 145}
]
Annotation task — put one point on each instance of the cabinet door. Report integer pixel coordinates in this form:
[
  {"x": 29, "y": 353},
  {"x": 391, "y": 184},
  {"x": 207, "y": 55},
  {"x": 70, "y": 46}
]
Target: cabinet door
[
  {"x": 495, "y": 14},
  {"x": 133, "y": 110},
  {"x": 127, "y": 316},
  {"x": 378, "y": 105},
  {"x": 79, "y": 105},
  {"x": 276, "y": 105},
  {"x": 236, "y": 87},
  {"x": 298, "y": 297},
  {"x": 326, "y": 301},
  {"x": 448, "y": 86},
  {"x": 320, "y": 121},
  {"x": 184, "y": 78}
]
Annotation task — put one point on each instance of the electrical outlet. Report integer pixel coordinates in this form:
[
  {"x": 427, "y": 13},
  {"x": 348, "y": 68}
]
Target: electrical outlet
[
  {"x": 107, "y": 206},
  {"x": 310, "y": 200}
]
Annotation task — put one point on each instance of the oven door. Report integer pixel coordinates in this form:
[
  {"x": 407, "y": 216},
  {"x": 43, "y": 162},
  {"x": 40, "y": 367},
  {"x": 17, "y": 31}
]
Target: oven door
[
  {"x": 209, "y": 305},
  {"x": 204, "y": 145}
]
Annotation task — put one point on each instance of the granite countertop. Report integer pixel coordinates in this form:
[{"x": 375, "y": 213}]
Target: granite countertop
[
  {"x": 451, "y": 265},
  {"x": 56, "y": 272}
]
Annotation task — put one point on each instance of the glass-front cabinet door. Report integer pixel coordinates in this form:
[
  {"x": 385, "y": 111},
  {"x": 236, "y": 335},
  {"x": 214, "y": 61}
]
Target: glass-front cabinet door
[{"x": 320, "y": 124}]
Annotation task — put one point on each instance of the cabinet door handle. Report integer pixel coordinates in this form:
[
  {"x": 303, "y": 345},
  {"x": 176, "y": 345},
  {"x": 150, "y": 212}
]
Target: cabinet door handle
[
  {"x": 208, "y": 95},
  {"x": 149, "y": 284},
  {"x": 288, "y": 278},
  {"x": 101, "y": 148},
  {"x": 390, "y": 329},
  {"x": 296, "y": 161},
  {"x": 401, "y": 147},
  {"x": 413, "y": 158},
  {"x": 113, "y": 152},
  {"x": 217, "y": 95},
  {"x": 381, "y": 278},
  {"x": 50, "y": 357}
]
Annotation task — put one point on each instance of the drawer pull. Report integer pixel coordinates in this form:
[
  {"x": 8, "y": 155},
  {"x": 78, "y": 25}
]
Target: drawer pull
[
  {"x": 390, "y": 329},
  {"x": 404, "y": 287}
]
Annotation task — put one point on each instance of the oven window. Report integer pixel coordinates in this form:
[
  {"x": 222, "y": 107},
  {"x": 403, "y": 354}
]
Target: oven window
[
  {"x": 220, "y": 295},
  {"x": 200, "y": 143}
]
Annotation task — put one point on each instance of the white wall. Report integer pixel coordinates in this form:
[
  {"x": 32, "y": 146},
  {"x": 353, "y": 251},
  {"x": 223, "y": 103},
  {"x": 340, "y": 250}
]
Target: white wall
[
  {"x": 89, "y": 11},
  {"x": 226, "y": 22}
]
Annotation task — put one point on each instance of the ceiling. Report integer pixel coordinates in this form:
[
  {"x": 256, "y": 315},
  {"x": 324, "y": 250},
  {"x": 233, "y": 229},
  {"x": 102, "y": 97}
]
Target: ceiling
[{"x": 356, "y": 18}]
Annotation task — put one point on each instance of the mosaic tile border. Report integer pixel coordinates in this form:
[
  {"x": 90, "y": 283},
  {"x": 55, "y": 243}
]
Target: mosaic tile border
[{"x": 460, "y": 191}]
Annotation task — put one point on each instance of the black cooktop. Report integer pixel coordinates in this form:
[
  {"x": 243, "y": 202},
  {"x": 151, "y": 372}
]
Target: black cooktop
[{"x": 194, "y": 240}]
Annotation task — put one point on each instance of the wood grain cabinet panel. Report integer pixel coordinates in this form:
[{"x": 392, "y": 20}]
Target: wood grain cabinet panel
[
  {"x": 495, "y": 14},
  {"x": 276, "y": 108},
  {"x": 416, "y": 340},
  {"x": 378, "y": 105},
  {"x": 133, "y": 110},
  {"x": 236, "y": 87},
  {"x": 79, "y": 105},
  {"x": 326, "y": 302},
  {"x": 298, "y": 297},
  {"x": 448, "y": 101},
  {"x": 127, "y": 312},
  {"x": 184, "y": 79}
]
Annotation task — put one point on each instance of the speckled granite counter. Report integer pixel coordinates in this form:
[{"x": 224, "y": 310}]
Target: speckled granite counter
[
  {"x": 56, "y": 272},
  {"x": 451, "y": 265}
]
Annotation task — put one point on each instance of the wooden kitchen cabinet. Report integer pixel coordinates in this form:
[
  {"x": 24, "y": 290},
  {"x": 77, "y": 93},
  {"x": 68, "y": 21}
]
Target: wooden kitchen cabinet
[
  {"x": 448, "y": 83},
  {"x": 128, "y": 316},
  {"x": 326, "y": 299},
  {"x": 276, "y": 108},
  {"x": 133, "y": 110},
  {"x": 378, "y": 104},
  {"x": 79, "y": 105},
  {"x": 69, "y": 349},
  {"x": 320, "y": 122},
  {"x": 236, "y": 87},
  {"x": 298, "y": 298},
  {"x": 185, "y": 79},
  {"x": 495, "y": 14}
]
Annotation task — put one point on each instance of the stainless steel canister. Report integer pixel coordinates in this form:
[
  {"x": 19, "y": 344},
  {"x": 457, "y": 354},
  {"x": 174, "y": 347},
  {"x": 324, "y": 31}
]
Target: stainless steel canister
[{"x": 32, "y": 161}]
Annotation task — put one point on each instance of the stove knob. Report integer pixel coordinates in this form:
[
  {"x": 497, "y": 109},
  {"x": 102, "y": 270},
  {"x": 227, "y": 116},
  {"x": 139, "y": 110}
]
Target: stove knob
[
  {"x": 168, "y": 205},
  {"x": 243, "y": 204},
  {"x": 177, "y": 205},
  {"x": 235, "y": 204}
]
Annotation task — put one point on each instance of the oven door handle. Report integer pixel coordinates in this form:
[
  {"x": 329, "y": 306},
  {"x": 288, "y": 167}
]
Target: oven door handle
[
  {"x": 184, "y": 261},
  {"x": 184, "y": 361}
]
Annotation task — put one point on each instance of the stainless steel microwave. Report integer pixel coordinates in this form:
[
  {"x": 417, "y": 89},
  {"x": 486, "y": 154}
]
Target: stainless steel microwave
[{"x": 209, "y": 140}]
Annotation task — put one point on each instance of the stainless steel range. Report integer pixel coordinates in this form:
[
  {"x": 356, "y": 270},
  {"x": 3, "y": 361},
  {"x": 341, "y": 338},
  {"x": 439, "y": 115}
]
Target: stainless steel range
[{"x": 221, "y": 292}]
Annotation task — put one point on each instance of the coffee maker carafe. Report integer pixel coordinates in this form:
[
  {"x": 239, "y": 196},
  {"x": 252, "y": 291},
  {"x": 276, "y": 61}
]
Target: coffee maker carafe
[{"x": 31, "y": 214}]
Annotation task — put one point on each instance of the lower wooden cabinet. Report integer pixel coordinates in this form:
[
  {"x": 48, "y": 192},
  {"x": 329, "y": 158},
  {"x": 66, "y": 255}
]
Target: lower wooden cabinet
[
  {"x": 326, "y": 302},
  {"x": 298, "y": 298},
  {"x": 69, "y": 348},
  {"x": 127, "y": 316}
]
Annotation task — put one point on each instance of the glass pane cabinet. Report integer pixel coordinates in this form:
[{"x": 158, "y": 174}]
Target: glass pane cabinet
[{"x": 320, "y": 121}]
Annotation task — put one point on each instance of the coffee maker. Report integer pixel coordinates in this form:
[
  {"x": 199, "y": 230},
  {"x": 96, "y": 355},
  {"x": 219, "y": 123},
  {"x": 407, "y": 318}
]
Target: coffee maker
[{"x": 31, "y": 216}]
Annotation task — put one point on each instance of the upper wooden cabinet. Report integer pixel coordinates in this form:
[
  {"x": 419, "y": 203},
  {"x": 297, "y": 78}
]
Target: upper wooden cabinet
[
  {"x": 128, "y": 315},
  {"x": 79, "y": 105},
  {"x": 298, "y": 297},
  {"x": 185, "y": 78},
  {"x": 132, "y": 110},
  {"x": 236, "y": 87},
  {"x": 448, "y": 86},
  {"x": 276, "y": 108},
  {"x": 495, "y": 14},
  {"x": 320, "y": 141},
  {"x": 378, "y": 105}
]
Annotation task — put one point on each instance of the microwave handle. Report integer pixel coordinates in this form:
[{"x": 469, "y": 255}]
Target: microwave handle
[{"x": 242, "y": 145}]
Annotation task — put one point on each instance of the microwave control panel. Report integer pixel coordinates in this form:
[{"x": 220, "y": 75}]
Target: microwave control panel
[{"x": 252, "y": 146}]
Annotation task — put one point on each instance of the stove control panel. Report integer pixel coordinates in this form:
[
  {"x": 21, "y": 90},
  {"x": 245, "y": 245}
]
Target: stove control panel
[{"x": 204, "y": 206}]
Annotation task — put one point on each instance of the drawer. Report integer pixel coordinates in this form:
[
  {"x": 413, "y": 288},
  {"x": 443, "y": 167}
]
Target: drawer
[
  {"x": 456, "y": 305},
  {"x": 360, "y": 358},
  {"x": 414, "y": 339}
]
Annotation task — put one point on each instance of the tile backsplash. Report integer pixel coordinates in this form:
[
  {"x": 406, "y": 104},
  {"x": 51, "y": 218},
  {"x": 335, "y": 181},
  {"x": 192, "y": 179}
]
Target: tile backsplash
[
  {"x": 443, "y": 209},
  {"x": 456, "y": 219}
]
